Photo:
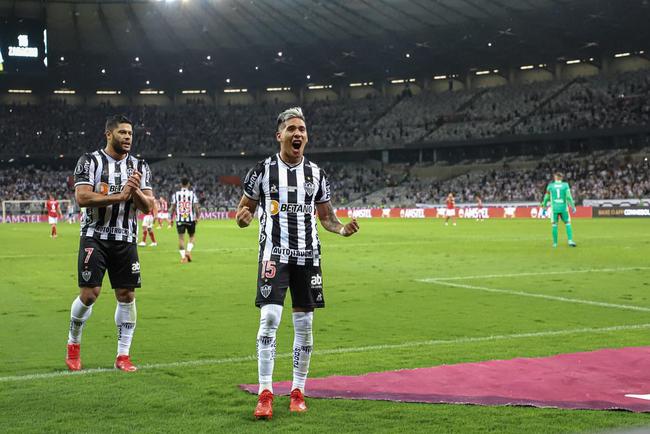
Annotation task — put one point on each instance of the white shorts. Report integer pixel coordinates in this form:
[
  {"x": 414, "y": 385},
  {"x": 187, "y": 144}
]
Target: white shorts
[
  {"x": 52, "y": 220},
  {"x": 163, "y": 215},
  {"x": 147, "y": 221},
  {"x": 451, "y": 212}
]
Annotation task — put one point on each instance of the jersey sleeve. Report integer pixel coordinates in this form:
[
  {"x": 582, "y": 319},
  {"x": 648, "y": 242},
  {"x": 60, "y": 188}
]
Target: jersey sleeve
[
  {"x": 84, "y": 172},
  {"x": 569, "y": 197},
  {"x": 253, "y": 180},
  {"x": 195, "y": 198},
  {"x": 173, "y": 199},
  {"x": 145, "y": 180},
  {"x": 323, "y": 193}
]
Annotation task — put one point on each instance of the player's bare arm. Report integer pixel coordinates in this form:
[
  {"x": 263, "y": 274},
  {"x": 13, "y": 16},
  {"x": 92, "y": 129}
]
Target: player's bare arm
[
  {"x": 197, "y": 212},
  {"x": 143, "y": 200},
  {"x": 86, "y": 197},
  {"x": 331, "y": 223},
  {"x": 172, "y": 208},
  {"x": 245, "y": 211}
]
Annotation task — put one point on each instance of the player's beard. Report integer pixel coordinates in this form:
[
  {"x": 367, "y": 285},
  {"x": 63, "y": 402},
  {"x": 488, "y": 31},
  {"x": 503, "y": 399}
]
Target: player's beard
[{"x": 118, "y": 147}]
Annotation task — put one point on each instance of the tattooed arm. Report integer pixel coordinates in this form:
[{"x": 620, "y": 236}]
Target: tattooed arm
[{"x": 331, "y": 223}]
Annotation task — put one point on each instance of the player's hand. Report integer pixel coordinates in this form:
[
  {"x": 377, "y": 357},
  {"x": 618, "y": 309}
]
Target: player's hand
[
  {"x": 127, "y": 192},
  {"x": 244, "y": 217},
  {"x": 350, "y": 228},
  {"x": 134, "y": 180},
  {"x": 573, "y": 210}
]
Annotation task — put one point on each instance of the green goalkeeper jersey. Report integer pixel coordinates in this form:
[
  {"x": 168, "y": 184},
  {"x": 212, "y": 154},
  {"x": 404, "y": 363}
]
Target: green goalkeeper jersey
[{"x": 559, "y": 194}]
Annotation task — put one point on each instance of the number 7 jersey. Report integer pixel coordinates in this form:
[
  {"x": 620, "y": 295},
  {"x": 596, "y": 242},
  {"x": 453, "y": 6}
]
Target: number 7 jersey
[{"x": 287, "y": 198}]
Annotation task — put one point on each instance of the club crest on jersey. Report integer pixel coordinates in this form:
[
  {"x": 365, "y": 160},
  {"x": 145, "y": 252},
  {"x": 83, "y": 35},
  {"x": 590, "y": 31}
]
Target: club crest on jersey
[
  {"x": 309, "y": 188},
  {"x": 129, "y": 171},
  {"x": 86, "y": 275},
  {"x": 265, "y": 290},
  {"x": 274, "y": 188}
]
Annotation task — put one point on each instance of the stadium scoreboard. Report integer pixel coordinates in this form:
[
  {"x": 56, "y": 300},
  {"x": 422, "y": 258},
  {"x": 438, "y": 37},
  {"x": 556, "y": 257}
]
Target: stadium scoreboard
[{"x": 23, "y": 47}]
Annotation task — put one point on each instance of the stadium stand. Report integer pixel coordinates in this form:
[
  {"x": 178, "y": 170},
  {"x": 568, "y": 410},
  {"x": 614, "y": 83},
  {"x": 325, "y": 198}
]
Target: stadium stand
[{"x": 597, "y": 102}]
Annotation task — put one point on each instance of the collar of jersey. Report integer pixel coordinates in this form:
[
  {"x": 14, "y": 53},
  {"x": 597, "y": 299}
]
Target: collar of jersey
[
  {"x": 289, "y": 166},
  {"x": 113, "y": 159}
]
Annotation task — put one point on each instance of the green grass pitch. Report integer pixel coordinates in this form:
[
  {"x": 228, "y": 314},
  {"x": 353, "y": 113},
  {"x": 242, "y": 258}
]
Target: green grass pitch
[{"x": 195, "y": 338}]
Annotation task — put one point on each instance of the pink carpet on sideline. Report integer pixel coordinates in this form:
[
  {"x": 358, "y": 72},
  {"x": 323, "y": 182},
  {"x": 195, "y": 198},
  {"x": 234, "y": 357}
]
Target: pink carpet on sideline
[{"x": 597, "y": 380}]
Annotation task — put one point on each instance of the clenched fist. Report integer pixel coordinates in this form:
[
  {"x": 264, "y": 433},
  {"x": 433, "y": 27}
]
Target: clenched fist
[{"x": 244, "y": 217}]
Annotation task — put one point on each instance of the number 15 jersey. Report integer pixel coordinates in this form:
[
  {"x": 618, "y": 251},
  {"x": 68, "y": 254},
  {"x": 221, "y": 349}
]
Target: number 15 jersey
[{"x": 287, "y": 198}]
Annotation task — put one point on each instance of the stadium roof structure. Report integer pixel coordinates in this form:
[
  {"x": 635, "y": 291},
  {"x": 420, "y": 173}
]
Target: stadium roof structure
[{"x": 178, "y": 43}]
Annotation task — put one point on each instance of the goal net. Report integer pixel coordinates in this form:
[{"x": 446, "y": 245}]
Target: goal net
[{"x": 33, "y": 211}]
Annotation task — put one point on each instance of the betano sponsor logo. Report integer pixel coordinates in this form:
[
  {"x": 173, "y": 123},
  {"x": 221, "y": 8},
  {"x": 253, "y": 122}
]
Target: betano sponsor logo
[{"x": 293, "y": 208}]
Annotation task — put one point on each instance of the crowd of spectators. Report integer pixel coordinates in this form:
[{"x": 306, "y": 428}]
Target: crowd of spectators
[
  {"x": 594, "y": 178},
  {"x": 218, "y": 186},
  {"x": 595, "y": 102},
  {"x": 56, "y": 128}
]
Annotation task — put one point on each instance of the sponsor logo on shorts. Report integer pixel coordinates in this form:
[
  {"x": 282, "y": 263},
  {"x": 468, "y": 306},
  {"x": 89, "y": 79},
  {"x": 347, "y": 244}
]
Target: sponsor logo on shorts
[
  {"x": 265, "y": 290},
  {"x": 86, "y": 275},
  {"x": 316, "y": 282},
  {"x": 135, "y": 267},
  {"x": 295, "y": 253}
]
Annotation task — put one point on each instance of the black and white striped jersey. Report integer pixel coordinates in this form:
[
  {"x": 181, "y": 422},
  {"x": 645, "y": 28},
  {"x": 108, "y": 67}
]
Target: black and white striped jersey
[
  {"x": 287, "y": 196},
  {"x": 117, "y": 222},
  {"x": 184, "y": 199}
]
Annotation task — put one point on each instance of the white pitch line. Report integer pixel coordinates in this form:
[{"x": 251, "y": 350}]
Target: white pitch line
[
  {"x": 334, "y": 351},
  {"x": 536, "y": 273},
  {"x": 544, "y": 296}
]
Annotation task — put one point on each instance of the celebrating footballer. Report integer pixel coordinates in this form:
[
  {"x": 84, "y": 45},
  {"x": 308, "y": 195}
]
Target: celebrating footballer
[{"x": 285, "y": 189}]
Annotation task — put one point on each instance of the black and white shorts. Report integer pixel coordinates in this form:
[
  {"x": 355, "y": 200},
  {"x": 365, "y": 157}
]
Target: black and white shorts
[
  {"x": 118, "y": 257},
  {"x": 304, "y": 281},
  {"x": 189, "y": 226}
]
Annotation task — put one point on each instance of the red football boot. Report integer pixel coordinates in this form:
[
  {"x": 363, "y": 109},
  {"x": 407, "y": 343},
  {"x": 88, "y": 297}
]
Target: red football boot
[
  {"x": 124, "y": 363},
  {"x": 264, "y": 408},
  {"x": 73, "y": 360},
  {"x": 297, "y": 404}
]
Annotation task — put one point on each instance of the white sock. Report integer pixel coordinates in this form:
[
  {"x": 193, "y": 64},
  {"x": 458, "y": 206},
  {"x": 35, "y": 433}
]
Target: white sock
[
  {"x": 303, "y": 342},
  {"x": 270, "y": 316},
  {"x": 182, "y": 252},
  {"x": 190, "y": 246},
  {"x": 79, "y": 313},
  {"x": 125, "y": 317}
]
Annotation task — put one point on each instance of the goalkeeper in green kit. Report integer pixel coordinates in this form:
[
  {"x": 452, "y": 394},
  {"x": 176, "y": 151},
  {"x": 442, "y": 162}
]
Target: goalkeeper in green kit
[{"x": 558, "y": 193}]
